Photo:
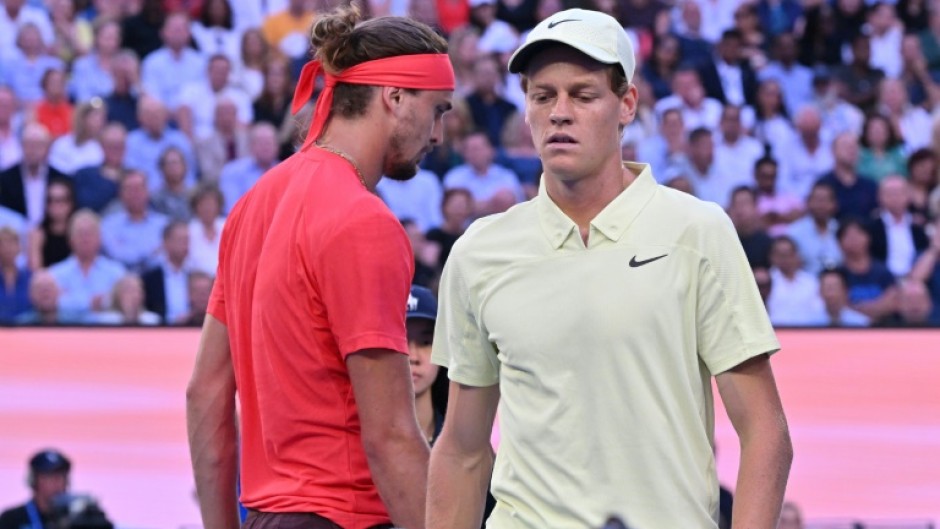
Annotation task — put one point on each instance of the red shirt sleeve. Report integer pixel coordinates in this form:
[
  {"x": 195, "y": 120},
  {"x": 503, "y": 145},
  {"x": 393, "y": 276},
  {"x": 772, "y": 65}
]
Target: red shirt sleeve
[{"x": 217, "y": 298}]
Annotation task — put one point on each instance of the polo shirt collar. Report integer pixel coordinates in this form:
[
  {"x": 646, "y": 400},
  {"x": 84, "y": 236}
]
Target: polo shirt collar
[{"x": 612, "y": 222}]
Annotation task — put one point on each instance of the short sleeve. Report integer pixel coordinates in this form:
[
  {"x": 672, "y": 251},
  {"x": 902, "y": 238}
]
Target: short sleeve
[
  {"x": 364, "y": 275},
  {"x": 731, "y": 321},
  {"x": 461, "y": 344},
  {"x": 217, "y": 298}
]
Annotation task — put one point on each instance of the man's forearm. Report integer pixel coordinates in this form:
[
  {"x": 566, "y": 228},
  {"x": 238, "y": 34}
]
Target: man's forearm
[
  {"x": 213, "y": 444},
  {"x": 762, "y": 480},
  {"x": 457, "y": 488},
  {"x": 400, "y": 470}
]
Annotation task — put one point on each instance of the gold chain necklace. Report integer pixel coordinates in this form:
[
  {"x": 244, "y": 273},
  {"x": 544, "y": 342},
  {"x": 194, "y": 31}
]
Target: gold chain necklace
[{"x": 344, "y": 156}]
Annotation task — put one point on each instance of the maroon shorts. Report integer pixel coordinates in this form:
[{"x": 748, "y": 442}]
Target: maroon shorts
[{"x": 293, "y": 520}]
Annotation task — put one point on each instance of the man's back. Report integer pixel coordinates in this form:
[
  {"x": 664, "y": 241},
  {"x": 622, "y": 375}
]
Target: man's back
[{"x": 295, "y": 291}]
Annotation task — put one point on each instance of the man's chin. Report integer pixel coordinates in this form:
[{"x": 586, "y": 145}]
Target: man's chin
[{"x": 402, "y": 173}]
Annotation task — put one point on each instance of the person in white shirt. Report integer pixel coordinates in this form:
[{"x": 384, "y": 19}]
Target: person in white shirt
[
  {"x": 688, "y": 95},
  {"x": 215, "y": 31},
  {"x": 665, "y": 152},
  {"x": 494, "y": 188},
  {"x": 709, "y": 181},
  {"x": 166, "y": 71},
  {"x": 497, "y": 36},
  {"x": 205, "y": 229},
  {"x": 895, "y": 239},
  {"x": 886, "y": 32},
  {"x": 14, "y": 14},
  {"x": 131, "y": 234},
  {"x": 913, "y": 122},
  {"x": 795, "y": 79},
  {"x": 198, "y": 99},
  {"x": 815, "y": 233},
  {"x": 80, "y": 148},
  {"x": 808, "y": 156},
  {"x": 795, "y": 294},
  {"x": 735, "y": 151},
  {"x": 418, "y": 199}
]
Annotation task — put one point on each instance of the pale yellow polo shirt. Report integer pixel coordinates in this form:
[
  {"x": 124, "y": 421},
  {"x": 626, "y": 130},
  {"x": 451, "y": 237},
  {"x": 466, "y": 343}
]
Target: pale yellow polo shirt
[{"x": 603, "y": 354}]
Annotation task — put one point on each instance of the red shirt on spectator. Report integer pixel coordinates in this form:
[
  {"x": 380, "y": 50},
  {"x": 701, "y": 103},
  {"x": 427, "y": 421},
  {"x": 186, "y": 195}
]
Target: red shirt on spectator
[{"x": 57, "y": 117}]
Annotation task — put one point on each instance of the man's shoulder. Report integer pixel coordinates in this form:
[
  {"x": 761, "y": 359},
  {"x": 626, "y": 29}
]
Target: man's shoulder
[{"x": 14, "y": 517}]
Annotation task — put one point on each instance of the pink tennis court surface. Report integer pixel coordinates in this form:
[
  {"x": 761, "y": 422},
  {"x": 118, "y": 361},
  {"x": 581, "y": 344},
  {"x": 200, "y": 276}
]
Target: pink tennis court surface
[{"x": 864, "y": 412}]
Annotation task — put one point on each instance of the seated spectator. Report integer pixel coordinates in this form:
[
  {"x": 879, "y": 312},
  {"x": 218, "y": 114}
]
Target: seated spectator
[
  {"x": 923, "y": 168},
  {"x": 205, "y": 230},
  {"x": 742, "y": 210},
  {"x": 838, "y": 115},
  {"x": 496, "y": 36},
  {"x": 14, "y": 279},
  {"x": 856, "y": 196},
  {"x": 777, "y": 208},
  {"x": 457, "y": 209},
  {"x": 53, "y": 109},
  {"x": 23, "y": 186},
  {"x": 172, "y": 199},
  {"x": 25, "y": 67},
  {"x": 736, "y": 153},
  {"x": 227, "y": 143},
  {"x": 16, "y": 222},
  {"x": 287, "y": 30},
  {"x": 44, "y": 295},
  {"x": 167, "y": 70},
  {"x": 81, "y": 147},
  {"x": 494, "y": 187},
  {"x": 519, "y": 154},
  {"x": 73, "y": 35},
  {"x": 131, "y": 233},
  {"x": 249, "y": 66},
  {"x": 426, "y": 255},
  {"x": 912, "y": 122},
  {"x": 445, "y": 156},
  {"x": 895, "y": 239},
  {"x": 871, "y": 286},
  {"x": 666, "y": 151},
  {"x": 238, "y": 176},
  {"x": 728, "y": 77},
  {"x": 142, "y": 31},
  {"x": 764, "y": 283},
  {"x": 214, "y": 31},
  {"x": 915, "y": 308},
  {"x": 273, "y": 105},
  {"x": 165, "y": 284},
  {"x": 795, "y": 296},
  {"x": 885, "y": 32},
  {"x": 779, "y": 17},
  {"x": 661, "y": 66},
  {"x": 859, "y": 80},
  {"x": 689, "y": 97},
  {"x": 198, "y": 99},
  {"x": 49, "y": 242},
  {"x": 418, "y": 198},
  {"x": 199, "y": 288},
  {"x": 795, "y": 80},
  {"x": 127, "y": 305},
  {"x": 16, "y": 14},
  {"x": 772, "y": 125},
  {"x": 11, "y": 152},
  {"x": 463, "y": 51},
  {"x": 86, "y": 277},
  {"x": 122, "y": 101},
  {"x": 96, "y": 187},
  {"x": 708, "y": 180},
  {"x": 835, "y": 310},
  {"x": 91, "y": 73},
  {"x": 927, "y": 269},
  {"x": 882, "y": 152},
  {"x": 694, "y": 47},
  {"x": 918, "y": 80},
  {"x": 489, "y": 110},
  {"x": 146, "y": 144},
  {"x": 815, "y": 233},
  {"x": 808, "y": 156}
]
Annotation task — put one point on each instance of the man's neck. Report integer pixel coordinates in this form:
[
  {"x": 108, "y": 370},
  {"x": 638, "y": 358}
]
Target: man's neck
[
  {"x": 701, "y": 166},
  {"x": 137, "y": 215},
  {"x": 32, "y": 171},
  {"x": 85, "y": 263},
  {"x": 583, "y": 199},
  {"x": 897, "y": 216},
  {"x": 846, "y": 175},
  {"x": 175, "y": 265},
  {"x": 821, "y": 223}
]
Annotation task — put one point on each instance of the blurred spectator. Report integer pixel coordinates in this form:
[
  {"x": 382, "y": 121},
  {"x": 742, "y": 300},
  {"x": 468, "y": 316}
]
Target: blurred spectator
[
  {"x": 895, "y": 239},
  {"x": 747, "y": 222},
  {"x": 44, "y": 297},
  {"x": 795, "y": 296},
  {"x": 838, "y": 116},
  {"x": 11, "y": 152},
  {"x": 772, "y": 125},
  {"x": 688, "y": 96},
  {"x": 913, "y": 123},
  {"x": 463, "y": 51},
  {"x": 735, "y": 151},
  {"x": 445, "y": 156},
  {"x": 665, "y": 152},
  {"x": 146, "y": 144},
  {"x": 849, "y": 18},
  {"x": 426, "y": 254},
  {"x": 251, "y": 62},
  {"x": 808, "y": 156},
  {"x": 915, "y": 308},
  {"x": 710, "y": 182},
  {"x": 643, "y": 14},
  {"x": 930, "y": 39},
  {"x": 882, "y": 152},
  {"x": 858, "y": 78},
  {"x": 913, "y": 14},
  {"x": 205, "y": 230},
  {"x": 694, "y": 49},
  {"x": 80, "y": 148},
  {"x": 97, "y": 186},
  {"x": 48, "y": 243},
  {"x": 214, "y": 31},
  {"x": 819, "y": 41},
  {"x": 142, "y": 31},
  {"x": 794, "y": 79},
  {"x": 871, "y": 286},
  {"x": 457, "y": 209},
  {"x": 815, "y": 233},
  {"x": 227, "y": 143},
  {"x": 26, "y": 66},
  {"x": 167, "y": 70},
  {"x": 17, "y": 222},
  {"x": 199, "y": 287},
  {"x": 778, "y": 208},
  {"x": 921, "y": 87},
  {"x": 779, "y": 16},
  {"x": 835, "y": 312},
  {"x": 660, "y": 68},
  {"x": 91, "y": 73},
  {"x": 105, "y": 10},
  {"x": 73, "y": 35},
  {"x": 922, "y": 170},
  {"x": 518, "y": 153},
  {"x": 418, "y": 199},
  {"x": 287, "y": 30},
  {"x": 48, "y": 477},
  {"x": 14, "y": 14},
  {"x": 14, "y": 280},
  {"x": 885, "y": 32},
  {"x": 54, "y": 110},
  {"x": 753, "y": 37},
  {"x": 86, "y": 277},
  {"x": 728, "y": 76},
  {"x": 172, "y": 199},
  {"x": 927, "y": 268},
  {"x": 238, "y": 176},
  {"x": 198, "y": 99},
  {"x": 489, "y": 110},
  {"x": 131, "y": 233},
  {"x": 127, "y": 305},
  {"x": 496, "y": 36},
  {"x": 273, "y": 105},
  {"x": 167, "y": 293},
  {"x": 494, "y": 187},
  {"x": 764, "y": 283},
  {"x": 23, "y": 186},
  {"x": 856, "y": 196},
  {"x": 122, "y": 102}
]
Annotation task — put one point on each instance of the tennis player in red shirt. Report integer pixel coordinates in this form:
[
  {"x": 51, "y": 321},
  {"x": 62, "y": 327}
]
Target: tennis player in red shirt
[{"x": 306, "y": 321}]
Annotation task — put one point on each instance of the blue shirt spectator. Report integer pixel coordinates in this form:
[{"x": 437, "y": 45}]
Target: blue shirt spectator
[
  {"x": 14, "y": 280},
  {"x": 146, "y": 144},
  {"x": 418, "y": 199},
  {"x": 89, "y": 79},
  {"x": 133, "y": 234},
  {"x": 171, "y": 67},
  {"x": 86, "y": 289},
  {"x": 24, "y": 74},
  {"x": 239, "y": 175}
]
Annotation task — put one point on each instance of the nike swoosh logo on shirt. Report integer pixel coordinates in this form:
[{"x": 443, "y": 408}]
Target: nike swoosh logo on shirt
[{"x": 634, "y": 263}]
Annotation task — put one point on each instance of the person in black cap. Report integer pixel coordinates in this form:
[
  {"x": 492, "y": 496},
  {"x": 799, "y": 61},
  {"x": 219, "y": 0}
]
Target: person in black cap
[
  {"x": 420, "y": 316},
  {"x": 48, "y": 477}
]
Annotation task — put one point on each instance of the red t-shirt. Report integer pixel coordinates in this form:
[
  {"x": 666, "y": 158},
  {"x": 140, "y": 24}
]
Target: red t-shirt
[{"x": 312, "y": 268}]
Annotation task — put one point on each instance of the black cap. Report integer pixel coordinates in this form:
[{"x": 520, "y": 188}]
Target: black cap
[
  {"x": 49, "y": 462},
  {"x": 421, "y": 304}
]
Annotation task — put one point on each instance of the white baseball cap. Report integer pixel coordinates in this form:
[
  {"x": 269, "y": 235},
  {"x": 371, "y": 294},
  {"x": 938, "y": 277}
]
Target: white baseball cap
[{"x": 596, "y": 34}]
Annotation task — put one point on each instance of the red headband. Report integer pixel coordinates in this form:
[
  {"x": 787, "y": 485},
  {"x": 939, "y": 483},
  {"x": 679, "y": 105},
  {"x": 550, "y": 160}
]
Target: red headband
[{"x": 430, "y": 71}]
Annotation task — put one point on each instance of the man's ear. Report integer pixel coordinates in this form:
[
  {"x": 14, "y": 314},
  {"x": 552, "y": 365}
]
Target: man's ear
[{"x": 392, "y": 98}]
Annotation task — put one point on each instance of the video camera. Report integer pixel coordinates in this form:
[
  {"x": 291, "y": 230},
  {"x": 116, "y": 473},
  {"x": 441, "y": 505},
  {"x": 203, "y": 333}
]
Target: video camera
[{"x": 78, "y": 511}]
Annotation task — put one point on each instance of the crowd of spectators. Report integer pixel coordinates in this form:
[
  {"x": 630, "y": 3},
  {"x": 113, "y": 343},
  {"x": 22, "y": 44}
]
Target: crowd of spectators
[{"x": 129, "y": 129}]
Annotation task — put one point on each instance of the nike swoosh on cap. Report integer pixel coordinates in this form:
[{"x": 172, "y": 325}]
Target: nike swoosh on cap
[
  {"x": 634, "y": 263},
  {"x": 555, "y": 23}
]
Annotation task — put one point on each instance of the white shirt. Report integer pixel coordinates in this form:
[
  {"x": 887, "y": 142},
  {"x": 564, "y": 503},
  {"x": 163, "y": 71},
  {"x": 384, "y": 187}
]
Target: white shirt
[
  {"x": 34, "y": 190},
  {"x": 886, "y": 52},
  {"x": 163, "y": 75},
  {"x": 203, "y": 251},
  {"x": 418, "y": 199},
  {"x": 916, "y": 128},
  {"x": 730, "y": 76},
  {"x": 498, "y": 37},
  {"x": 177, "y": 292},
  {"x": 215, "y": 40},
  {"x": 901, "y": 250},
  {"x": 707, "y": 115},
  {"x": 739, "y": 158},
  {"x": 202, "y": 100},
  {"x": 68, "y": 157},
  {"x": 27, "y": 15},
  {"x": 793, "y": 302},
  {"x": 483, "y": 187},
  {"x": 800, "y": 169}
]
